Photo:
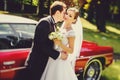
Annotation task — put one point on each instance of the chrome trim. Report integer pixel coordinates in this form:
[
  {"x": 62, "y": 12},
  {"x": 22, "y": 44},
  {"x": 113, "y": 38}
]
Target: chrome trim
[
  {"x": 84, "y": 57},
  {"x": 13, "y": 69},
  {"x": 6, "y": 63}
]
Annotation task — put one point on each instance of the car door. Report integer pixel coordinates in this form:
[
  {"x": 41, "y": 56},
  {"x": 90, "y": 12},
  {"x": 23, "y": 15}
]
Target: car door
[{"x": 11, "y": 61}]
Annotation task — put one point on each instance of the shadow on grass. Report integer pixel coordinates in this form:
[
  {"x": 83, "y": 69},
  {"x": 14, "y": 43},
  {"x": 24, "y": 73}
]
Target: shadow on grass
[
  {"x": 116, "y": 56},
  {"x": 103, "y": 78}
]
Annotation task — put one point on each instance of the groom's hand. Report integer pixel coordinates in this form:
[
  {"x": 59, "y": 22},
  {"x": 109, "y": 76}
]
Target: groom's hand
[{"x": 64, "y": 56}]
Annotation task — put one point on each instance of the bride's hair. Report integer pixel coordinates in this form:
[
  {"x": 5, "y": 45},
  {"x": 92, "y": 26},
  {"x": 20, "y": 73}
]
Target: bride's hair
[{"x": 76, "y": 12}]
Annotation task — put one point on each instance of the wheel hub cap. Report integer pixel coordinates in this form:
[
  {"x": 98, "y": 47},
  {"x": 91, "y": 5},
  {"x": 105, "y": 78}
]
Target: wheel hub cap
[{"x": 91, "y": 72}]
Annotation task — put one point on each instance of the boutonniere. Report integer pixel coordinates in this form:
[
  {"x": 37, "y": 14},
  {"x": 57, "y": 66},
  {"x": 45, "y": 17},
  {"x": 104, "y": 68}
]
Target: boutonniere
[{"x": 56, "y": 35}]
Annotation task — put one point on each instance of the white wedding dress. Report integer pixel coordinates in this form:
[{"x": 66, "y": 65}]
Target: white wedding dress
[{"x": 60, "y": 69}]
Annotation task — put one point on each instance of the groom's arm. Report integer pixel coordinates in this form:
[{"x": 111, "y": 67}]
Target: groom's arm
[{"x": 44, "y": 43}]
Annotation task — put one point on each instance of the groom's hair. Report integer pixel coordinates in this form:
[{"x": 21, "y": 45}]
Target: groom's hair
[{"x": 57, "y": 6}]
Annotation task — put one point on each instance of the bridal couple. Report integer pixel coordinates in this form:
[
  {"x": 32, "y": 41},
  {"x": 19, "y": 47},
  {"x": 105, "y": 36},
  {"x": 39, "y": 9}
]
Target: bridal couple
[{"x": 46, "y": 62}]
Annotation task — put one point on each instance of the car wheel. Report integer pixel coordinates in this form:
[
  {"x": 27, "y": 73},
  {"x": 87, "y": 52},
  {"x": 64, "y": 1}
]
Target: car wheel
[{"x": 93, "y": 70}]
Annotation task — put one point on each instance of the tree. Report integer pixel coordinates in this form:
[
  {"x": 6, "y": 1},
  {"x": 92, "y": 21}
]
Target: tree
[
  {"x": 40, "y": 8},
  {"x": 43, "y": 7},
  {"x": 98, "y": 10},
  {"x": 102, "y": 9},
  {"x": 5, "y": 5}
]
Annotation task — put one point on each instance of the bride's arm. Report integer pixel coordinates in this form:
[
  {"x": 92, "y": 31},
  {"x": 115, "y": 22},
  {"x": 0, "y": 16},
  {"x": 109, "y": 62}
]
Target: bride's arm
[{"x": 65, "y": 48}]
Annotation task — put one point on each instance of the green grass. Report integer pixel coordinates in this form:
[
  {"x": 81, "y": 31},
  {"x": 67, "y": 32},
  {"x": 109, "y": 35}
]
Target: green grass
[
  {"x": 103, "y": 39},
  {"x": 112, "y": 72},
  {"x": 110, "y": 38}
]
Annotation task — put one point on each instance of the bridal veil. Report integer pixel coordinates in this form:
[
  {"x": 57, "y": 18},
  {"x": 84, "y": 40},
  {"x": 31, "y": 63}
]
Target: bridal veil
[{"x": 77, "y": 27}]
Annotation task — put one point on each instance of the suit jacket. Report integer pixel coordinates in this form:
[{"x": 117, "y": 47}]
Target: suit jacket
[{"x": 41, "y": 50}]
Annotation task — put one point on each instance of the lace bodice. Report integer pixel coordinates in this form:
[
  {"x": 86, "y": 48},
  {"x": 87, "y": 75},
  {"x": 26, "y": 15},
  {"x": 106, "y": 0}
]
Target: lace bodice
[{"x": 65, "y": 34}]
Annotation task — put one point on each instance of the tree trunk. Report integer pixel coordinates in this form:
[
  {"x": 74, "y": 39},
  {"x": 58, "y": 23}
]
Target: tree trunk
[
  {"x": 22, "y": 6},
  {"x": 102, "y": 10},
  {"x": 31, "y": 1},
  {"x": 41, "y": 8},
  {"x": 5, "y": 5},
  {"x": 37, "y": 11}
]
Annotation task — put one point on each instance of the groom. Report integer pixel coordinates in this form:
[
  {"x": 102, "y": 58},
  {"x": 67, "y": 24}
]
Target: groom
[{"x": 43, "y": 47}]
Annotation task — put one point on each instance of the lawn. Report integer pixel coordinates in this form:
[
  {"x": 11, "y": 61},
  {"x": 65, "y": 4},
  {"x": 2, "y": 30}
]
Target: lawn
[
  {"x": 110, "y": 38},
  {"x": 112, "y": 72}
]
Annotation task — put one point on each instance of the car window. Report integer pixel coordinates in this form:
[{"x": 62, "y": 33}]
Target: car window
[
  {"x": 6, "y": 29},
  {"x": 16, "y": 35},
  {"x": 30, "y": 28}
]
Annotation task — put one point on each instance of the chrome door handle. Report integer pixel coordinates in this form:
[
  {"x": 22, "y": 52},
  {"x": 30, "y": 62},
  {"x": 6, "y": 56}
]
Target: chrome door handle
[{"x": 7, "y": 63}]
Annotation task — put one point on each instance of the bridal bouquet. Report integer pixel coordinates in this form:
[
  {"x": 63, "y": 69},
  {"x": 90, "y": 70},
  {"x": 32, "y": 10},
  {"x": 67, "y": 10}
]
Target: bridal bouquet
[{"x": 56, "y": 35}]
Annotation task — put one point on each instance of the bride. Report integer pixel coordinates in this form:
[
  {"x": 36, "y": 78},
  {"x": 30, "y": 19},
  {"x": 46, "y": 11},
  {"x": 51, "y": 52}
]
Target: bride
[{"x": 70, "y": 44}]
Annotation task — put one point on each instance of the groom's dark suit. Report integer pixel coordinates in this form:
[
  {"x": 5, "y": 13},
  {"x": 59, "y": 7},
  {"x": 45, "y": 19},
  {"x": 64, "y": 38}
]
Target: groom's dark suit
[{"x": 41, "y": 50}]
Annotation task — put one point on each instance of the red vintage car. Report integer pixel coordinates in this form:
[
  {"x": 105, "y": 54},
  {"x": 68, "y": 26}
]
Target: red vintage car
[{"x": 90, "y": 63}]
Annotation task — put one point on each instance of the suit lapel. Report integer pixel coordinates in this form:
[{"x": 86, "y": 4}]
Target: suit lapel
[{"x": 52, "y": 23}]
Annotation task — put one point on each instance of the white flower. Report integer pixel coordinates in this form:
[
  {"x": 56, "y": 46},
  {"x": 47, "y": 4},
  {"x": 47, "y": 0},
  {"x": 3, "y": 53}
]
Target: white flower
[{"x": 56, "y": 35}]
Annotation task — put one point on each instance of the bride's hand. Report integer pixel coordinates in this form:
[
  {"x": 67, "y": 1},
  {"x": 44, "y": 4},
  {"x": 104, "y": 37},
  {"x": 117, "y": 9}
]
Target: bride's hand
[{"x": 57, "y": 42}]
